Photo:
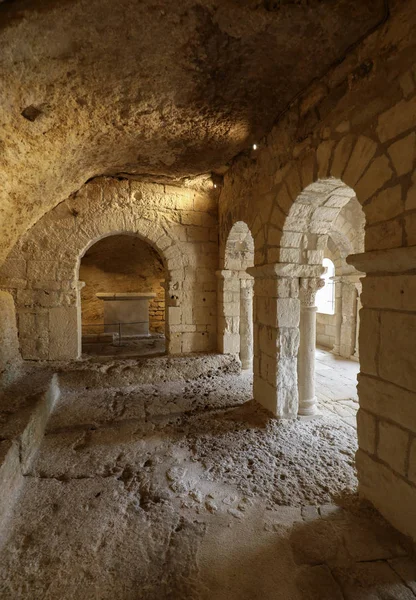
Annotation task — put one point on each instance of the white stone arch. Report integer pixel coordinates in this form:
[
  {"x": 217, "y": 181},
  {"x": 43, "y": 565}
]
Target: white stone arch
[
  {"x": 47, "y": 294},
  {"x": 235, "y": 295},
  {"x": 304, "y": 232}
]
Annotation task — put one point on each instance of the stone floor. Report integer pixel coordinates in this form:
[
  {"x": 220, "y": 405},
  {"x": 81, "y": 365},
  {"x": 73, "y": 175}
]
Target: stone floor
[
  {"x": 336, "y": 385},
  {"x": 188, "y": 490}
]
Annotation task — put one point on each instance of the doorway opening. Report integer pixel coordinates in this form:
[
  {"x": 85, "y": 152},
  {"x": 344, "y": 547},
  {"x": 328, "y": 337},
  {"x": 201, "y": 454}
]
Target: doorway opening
[
  {"x": 238, "y": 294},
  {"x": 122, "y": 298}
]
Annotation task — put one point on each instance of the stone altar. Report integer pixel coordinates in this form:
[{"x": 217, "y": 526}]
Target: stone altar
[{"x": 130, "y": 309}]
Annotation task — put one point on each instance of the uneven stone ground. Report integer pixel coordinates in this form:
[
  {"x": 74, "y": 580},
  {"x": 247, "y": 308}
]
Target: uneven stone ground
[{"x": 188, "y": 490}]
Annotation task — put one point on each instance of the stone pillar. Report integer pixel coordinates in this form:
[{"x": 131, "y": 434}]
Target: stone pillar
[
  {"x": 246, "y": 323},
  {"x": 349, "y": 282},
  {"x": 78, "y": 287},
  {"x": 276, "y": 335},
  {"x": 228, "y": 311},
  {"x": 306, "y": 356},
  {"x": 338, "y": 314},
  {"x": 356, "y": 354},
  {"x": 386, "y": 459}
]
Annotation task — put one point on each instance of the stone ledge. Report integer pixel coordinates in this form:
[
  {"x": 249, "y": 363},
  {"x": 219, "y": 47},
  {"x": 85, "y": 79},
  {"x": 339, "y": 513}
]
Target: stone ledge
[
  {"x": 395, "y": 260},
  {"x": 23, "y": 433},
  {"x": 276, "y": 270}
]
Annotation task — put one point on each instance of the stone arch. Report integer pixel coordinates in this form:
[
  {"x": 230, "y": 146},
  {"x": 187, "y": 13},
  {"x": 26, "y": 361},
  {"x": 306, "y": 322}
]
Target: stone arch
[
  {"x": 131, "y": 234},
  {"x": 47, "y": 295},
  {"x": 235, "y": 295},
  {"x": 305, "y": 233}
]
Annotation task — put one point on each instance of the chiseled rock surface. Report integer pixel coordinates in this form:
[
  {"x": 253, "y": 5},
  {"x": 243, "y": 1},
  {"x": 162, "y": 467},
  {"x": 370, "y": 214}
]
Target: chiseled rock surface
[
  {"x": 188, "y": 490},
  {"x": 148, "y": 89}
]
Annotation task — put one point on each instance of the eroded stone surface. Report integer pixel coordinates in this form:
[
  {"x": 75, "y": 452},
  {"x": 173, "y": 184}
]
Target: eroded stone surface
[{"x": 186, "y": 490}]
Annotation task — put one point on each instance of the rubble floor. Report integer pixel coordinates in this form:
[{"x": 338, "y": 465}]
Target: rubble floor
[{"x": 190, "y": 491}]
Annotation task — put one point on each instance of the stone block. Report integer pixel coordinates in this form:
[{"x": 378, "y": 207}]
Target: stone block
[
  {"x": 393, "y": 497},
  {"x": 361, "y": 156},
  {"x": 367, "y": 431},
  {"x": 293, "y": 183},
  {"x": 341, "y": 155},
  {"x": 174, "y": 315},
  {"x": 393, "y": 292},
  {"x": 195, "y": 342},
  {"x": 382, "y": 236},
  {"x": 369, "y": 341},
  {"x": 402, "y": 154},
  {"x": 388, "y": 400},
  {"x": 63, "y": 333},
  {"x": 385, "y": 205},
  {"x": 323, "y": 156},
  {"x": 397, "y": 120},
  {"x": 377, "y": 175},
  {"x": 281, "y": 403},
  {"x": 34, "y": 348},
  {"x": 13, "y": 268},
  {"x": 393, "y": 444},
  {"x": 397, "y": 354}
]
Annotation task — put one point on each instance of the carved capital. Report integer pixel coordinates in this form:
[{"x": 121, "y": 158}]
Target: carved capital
[{"x": 308, "y": 286}]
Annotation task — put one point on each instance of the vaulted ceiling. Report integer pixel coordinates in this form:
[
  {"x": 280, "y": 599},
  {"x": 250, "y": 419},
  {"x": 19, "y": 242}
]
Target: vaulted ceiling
[{"x": 159, "y": 89}]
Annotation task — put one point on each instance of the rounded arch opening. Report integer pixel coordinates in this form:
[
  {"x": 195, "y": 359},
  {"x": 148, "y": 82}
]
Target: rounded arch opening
[
  {"x": 324, "y": 225},
  {"x": 236, "y": 296},
  {"x": 122, "y": 297}
]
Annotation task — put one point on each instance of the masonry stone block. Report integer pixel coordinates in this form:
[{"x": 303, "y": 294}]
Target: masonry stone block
[
  {"x": 388, "y": 401},
  {"x": 393, "y": 446},
  {"x": 361, "y": 156},
  {"x": 402, "y": 154},
  {"x": 63, "y": 344},
  {"x": 397, "y": 120},
  {"x": 369, "y": 341},
  {"x": 367, "y": 431},
  {"x": 398, "y": 351},
  {"x": 387, "y": 491}
]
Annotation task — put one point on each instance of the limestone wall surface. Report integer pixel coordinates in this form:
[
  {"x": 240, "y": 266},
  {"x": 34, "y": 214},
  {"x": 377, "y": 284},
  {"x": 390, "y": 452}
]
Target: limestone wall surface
[
  {"x": 42, "y": 274},
  {"x": 352, "y": 134}
]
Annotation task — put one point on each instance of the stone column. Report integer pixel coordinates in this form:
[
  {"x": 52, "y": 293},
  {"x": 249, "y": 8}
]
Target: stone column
[
  {"x": 349, "y": 307},
  {"x": 246, "y": 323},
  {"x": 338, "y": 314},
  {"x": 306, "y": 356},
  {"x": 356, "y": 354},
  {"x": 228, "y": 299}
]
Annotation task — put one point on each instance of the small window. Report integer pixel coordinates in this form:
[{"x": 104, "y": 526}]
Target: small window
[{"x": 325, "y": 297}]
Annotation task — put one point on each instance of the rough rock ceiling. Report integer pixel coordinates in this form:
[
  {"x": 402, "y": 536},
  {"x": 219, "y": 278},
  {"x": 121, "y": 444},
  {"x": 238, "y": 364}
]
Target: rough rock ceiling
[{"x": 152, "y": 88}]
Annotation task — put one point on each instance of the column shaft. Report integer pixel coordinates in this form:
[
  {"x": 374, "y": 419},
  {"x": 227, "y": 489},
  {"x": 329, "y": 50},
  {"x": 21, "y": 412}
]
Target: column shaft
[
  {"x": 307, "y": 344},
  {"x": 246, "y": 323}
]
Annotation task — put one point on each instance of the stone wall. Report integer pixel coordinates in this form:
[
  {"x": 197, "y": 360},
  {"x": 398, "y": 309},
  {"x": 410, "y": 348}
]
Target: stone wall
[
  {"x": 10, "y": 358},
  {"x": 351, "y": 134},
  {"x": 121, "y": 263},
  {"x": 42, "y": 270}
]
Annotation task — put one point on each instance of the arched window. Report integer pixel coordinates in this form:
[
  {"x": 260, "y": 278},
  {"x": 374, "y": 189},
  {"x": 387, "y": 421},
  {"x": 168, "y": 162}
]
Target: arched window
[{"x": 325, "y": 297}]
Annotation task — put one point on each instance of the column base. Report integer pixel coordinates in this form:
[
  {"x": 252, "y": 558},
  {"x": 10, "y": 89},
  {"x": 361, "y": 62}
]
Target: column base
[
  {"x": 308, "y": 408},
  {"x": 246, "y": 365}
]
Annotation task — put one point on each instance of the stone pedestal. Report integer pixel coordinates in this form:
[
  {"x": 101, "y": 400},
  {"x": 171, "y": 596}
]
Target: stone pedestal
[
  {"x": 246, "y": 323},
  {"x": 307, "y": 343},
  {"x": 126, "y": 313}
]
